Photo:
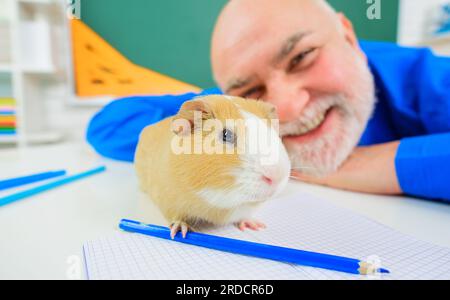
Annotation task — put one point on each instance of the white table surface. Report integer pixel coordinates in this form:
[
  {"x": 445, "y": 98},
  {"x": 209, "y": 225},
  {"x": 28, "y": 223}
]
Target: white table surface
[{"x": 40, "y": 236}]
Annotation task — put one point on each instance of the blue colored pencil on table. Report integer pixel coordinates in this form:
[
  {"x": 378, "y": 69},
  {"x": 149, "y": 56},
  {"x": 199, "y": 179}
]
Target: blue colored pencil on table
[
  {"x": 19, "y": 181},
  {"x": 281, "y": 254},
  {"x": 48, "y": 186}
]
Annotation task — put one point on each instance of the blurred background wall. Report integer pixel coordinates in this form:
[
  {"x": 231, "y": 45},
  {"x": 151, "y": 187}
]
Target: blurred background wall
[
  {"x": 172, "y": 36},
  {"x": 38, "y": 99}
]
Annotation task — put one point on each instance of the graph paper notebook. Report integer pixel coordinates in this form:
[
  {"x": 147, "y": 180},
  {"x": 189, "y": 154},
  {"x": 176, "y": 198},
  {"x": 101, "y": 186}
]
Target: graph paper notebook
[{"x": 299, "y": 221}]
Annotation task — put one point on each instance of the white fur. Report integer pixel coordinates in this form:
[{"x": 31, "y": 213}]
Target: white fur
[
  {"x": 242, "y": 213},
  {"x": 249, "y": 187}
]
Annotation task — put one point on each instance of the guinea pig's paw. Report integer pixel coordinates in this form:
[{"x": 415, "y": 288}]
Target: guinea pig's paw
[
  {"x": 176, "y": 226},
  {"x": 250, "y": 224}
]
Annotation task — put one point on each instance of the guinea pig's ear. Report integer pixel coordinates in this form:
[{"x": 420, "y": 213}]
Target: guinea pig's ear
[
  {"x": 191, "y": 111},
  {"x": 269, "y": 110}
]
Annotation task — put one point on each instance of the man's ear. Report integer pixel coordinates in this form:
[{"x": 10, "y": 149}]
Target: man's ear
[
  {"x": 190, "y": 113},
  {"x": 349, "y": 33}
]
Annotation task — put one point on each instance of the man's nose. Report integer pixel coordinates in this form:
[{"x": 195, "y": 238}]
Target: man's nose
[{"x": 290, "y": 100}]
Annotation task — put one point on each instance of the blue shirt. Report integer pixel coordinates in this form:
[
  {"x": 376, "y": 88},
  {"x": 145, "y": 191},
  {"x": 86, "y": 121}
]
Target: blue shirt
[{"x": 413, "y": 92}]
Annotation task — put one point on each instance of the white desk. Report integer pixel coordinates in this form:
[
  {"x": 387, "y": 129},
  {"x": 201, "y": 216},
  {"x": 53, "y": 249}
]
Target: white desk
[{"x": 39, "y": 234}]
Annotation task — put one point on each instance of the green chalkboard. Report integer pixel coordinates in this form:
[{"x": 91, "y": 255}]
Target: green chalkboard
[
  {"x": 168, "y": 36},
  {"x": 172, "y": 36},
  {"x": 382, "y": 29}
]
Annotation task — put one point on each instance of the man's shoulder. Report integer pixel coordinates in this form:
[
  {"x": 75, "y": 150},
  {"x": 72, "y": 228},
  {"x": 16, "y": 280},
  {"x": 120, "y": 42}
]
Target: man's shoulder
[
  {"x": 390, "y": 58},
  {"x": 387, "y": 49},
  {"x": 373, "y": 46}
]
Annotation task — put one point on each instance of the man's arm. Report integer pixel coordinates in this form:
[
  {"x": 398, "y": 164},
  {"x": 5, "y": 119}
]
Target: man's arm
[
  {"x": 114, "y": 131},
  {"x": 423, "y": 166},
  {"x": 418, "y": 166},
  {"x": 368, "y": 169}
]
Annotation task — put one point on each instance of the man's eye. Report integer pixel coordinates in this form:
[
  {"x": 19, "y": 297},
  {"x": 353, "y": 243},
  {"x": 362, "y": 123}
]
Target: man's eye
[
  {"x": 254, "y": 93},
  {"x": 228, "y": 136},
  {"x": 299, "y": 58}
]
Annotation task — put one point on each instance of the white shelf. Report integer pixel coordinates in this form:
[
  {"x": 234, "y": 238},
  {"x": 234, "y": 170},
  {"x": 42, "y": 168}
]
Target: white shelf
[
  {"x": 38, "y": 70},
  {"x": 8, "y": 139},
  {"x": 45, "y": 138},
  {"x": 38, "y": 55},
  {"x": 96, "y": 101},
  {"x": 5, "y": 68}
]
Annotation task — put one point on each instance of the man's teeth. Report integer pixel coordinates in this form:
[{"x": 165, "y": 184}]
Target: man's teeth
[{"x": 311, "y": 124}]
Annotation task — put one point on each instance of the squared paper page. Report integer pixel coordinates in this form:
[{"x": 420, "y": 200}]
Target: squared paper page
[{"x": 300, "y": 221}]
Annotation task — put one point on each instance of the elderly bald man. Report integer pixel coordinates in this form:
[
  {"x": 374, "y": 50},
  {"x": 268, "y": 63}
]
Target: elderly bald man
[{"x": 363, "y": 116}]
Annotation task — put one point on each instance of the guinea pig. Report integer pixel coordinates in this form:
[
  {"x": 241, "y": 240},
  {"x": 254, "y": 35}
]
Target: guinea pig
[{"x": 214, "y": 162}]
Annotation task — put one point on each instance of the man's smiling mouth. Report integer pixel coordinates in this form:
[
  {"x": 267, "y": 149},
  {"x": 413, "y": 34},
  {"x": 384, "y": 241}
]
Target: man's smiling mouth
[{"x": 311, "y": 124}]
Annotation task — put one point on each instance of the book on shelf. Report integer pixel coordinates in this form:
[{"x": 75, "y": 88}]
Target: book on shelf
[
  {"x": 8, "y": 120},
  {"x": 6, "y": 101}
]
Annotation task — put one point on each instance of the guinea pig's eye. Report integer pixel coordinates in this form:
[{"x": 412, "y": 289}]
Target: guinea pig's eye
[{"x": 228, "y": 136}]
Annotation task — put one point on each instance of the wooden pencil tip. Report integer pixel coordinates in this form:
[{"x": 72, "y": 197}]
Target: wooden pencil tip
[{"x": 369, "y": 269}]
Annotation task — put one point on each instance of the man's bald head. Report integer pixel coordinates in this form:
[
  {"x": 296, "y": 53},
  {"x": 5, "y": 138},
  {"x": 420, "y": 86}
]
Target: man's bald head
[{"x": 248, "y": 20}]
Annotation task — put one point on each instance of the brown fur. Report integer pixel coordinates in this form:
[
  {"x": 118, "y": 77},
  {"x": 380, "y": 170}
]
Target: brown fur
[{"x": 171, "y": 180}]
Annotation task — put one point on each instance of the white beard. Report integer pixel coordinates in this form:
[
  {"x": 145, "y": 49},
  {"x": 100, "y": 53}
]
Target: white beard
[{"x": 326, "y": 154}]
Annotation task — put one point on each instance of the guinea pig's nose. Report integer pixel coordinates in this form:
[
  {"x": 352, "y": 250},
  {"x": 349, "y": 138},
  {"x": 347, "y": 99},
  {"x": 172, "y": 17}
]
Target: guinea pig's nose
[{"x": 267, "y": 180}]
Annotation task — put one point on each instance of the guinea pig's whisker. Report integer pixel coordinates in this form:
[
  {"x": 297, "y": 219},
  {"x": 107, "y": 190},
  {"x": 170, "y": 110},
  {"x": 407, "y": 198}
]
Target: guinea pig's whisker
[
  {"x": 303, "y": 168},
  {"x": 295, "y": 177}
]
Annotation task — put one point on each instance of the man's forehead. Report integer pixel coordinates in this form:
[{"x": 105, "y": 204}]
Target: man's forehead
[{"x": 243, "y": 20}]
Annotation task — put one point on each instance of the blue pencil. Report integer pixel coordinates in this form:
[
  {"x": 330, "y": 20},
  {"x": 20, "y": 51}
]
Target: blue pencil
[
  {"x": 19, "y": 181},
  {"x": 39, "y": 189},
  {"x": 282, "y": 254}
]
